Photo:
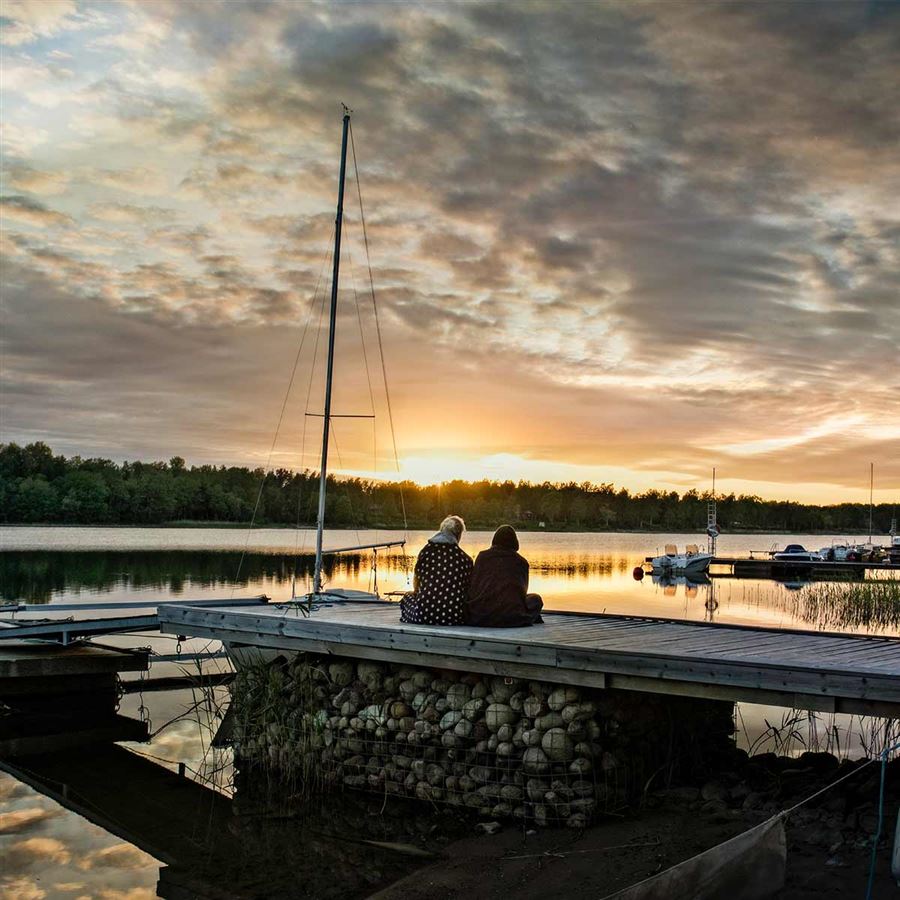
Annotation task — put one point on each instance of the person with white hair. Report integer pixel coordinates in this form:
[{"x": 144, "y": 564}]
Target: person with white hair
[{"x": 441, "y": 581}]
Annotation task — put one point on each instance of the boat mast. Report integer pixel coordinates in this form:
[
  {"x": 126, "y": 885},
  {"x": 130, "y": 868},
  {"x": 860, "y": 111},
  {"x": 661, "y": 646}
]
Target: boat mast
[
  {"x": 871, "y": 496},
  {"x": 323, "y": 473},
  {"x": 712, "y": 526}
]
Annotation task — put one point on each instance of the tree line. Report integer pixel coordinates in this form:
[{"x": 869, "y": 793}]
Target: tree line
[{"x": 38, "y": 486}]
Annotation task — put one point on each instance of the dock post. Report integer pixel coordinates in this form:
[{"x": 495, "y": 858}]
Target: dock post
[{"x": 895, "y": 858}]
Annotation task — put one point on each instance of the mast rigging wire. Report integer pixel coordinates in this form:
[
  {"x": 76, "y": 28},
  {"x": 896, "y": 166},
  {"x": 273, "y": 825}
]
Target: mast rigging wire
[
  {"x": 387, "y": 392},
  {"x": 284, "y": 403},
  {"x": 312, "y": 375}
]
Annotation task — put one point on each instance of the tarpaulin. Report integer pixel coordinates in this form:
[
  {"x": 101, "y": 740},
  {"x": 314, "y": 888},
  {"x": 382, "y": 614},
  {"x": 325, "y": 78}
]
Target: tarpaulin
[{"x": 750, "y": 866}]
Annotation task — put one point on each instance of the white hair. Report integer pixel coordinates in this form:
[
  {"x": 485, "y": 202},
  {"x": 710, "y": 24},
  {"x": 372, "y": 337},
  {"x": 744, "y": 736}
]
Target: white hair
[{"x": 453, "y": 525}]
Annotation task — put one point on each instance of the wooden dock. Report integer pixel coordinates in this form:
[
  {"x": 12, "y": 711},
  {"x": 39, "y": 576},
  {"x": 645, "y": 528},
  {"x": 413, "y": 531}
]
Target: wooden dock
[
  {"x": 64, "y": 696},
  {"x": 797, "y": 669},
  {"x": 758, "y": 567},
  {"x": 30, "y": 666}
]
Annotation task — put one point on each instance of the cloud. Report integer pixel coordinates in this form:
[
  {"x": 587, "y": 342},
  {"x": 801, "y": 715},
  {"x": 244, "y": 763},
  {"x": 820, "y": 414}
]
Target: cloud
[
  {"x": 10, "y": 789},
  {"x": 129, "y": 213},
  {"x": 15, "y": 888},
  {"x": 674, "y": 228},
  {"x": 20, "y": 820},
  {"x": 28, "y": 20},
  {"x": 131, "y": 180},
  {"x": 118, "y": 856},
  {"x": 23, "y": 177},
  {"x": 36, "y": 852},
  {"x": 31, "y": 212}
]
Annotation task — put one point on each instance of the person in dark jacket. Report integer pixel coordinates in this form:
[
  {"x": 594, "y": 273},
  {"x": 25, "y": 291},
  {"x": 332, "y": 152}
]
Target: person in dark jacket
[
  {"x": 498, "y": 594},
  {"x": 441, "y": 582}
]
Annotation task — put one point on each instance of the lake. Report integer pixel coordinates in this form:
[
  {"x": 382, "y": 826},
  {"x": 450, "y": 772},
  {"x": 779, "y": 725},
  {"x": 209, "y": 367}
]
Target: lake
[
  {"x": 94, "y": 842},
  {"x": 577, "y": 571}
]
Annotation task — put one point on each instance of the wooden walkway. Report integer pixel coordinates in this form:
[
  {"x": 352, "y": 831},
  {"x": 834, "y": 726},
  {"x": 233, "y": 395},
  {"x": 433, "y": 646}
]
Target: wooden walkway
[{"x": 798, "y": 669}]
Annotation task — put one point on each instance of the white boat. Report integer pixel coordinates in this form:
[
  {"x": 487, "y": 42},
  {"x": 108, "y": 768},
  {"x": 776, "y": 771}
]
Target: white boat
[
  {"x": 796, "y": 553},
  {"x": 866, "y": 552},
  {"x": 692, "y": 560},
  {"x": 837, "y": 553}
]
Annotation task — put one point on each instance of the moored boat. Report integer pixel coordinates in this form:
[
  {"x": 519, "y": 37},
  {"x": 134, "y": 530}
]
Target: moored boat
[
  {"x": 797, "y": 553},
  {"x": 693, "y": 560}
]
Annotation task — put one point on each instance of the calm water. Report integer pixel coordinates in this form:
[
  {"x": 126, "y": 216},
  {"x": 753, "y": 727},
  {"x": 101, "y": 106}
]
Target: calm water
[
  {"x": 118, "y": 832},
  {"x": 571, "y": 571}
]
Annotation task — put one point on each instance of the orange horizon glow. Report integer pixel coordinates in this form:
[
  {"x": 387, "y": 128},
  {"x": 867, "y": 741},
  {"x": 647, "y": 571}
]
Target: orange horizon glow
[{"x": 573, "y": 284}]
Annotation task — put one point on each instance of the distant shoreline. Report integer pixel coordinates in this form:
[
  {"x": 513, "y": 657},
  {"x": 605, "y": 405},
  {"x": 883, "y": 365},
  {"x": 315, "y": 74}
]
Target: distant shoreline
[{"x": 244, "y": 526}]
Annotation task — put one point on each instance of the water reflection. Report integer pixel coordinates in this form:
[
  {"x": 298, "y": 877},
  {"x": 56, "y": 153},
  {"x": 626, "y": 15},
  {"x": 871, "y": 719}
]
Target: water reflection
[
  {"x": 585, "y": 572},
  {"x": 42, "y": 576},
  {"x": 115, "y": 821}
]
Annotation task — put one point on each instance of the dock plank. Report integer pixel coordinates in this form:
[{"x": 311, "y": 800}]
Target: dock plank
[{"x": 824, "y": 670}]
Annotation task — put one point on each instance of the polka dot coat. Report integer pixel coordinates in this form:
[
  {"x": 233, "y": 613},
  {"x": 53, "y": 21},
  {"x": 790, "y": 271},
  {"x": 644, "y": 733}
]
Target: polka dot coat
[{"x": 442, "y": 576}]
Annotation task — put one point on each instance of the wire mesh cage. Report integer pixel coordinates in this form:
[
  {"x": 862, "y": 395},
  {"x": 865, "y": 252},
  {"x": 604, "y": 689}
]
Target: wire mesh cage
[{"x": 504, "y": 747}]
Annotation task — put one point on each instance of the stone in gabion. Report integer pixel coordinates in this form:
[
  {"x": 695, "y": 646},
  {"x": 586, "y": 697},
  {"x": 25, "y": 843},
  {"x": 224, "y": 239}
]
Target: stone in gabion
[
  {"x": 488, "y": 744},
  {"x": 578, "y": 711},
  {"x": 450, "y": 718},
  {"x": 498, "y": 714},
  {"x": 561, "y": 696},
  {"x": 370, "y": 674},
  {"x": 472, "y": 709},
  {"x": 458, "y": 695},
  {"x": 558, "y": 745},
  {"x": 463, "y": 728},
  {"x": 580, "y": 766},
  {"x": 399, "y": 709},
  {"x": 341, "y": 673},
  {"x": 535, "y": 761},
  {"x": 548, "y": 721}
]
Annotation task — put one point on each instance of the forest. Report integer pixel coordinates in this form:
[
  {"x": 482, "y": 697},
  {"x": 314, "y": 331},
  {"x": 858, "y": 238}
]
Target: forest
[{"x": 38, "y": 487}]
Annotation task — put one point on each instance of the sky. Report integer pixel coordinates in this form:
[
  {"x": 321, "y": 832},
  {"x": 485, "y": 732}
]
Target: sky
[{"x": 612, "y": 241}]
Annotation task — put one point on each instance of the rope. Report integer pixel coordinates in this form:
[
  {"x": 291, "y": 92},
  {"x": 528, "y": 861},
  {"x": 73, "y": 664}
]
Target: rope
[
  {"x": 312, "y": 373},
  {"x": 362, "y": 340},
  {"x": 387, "y": 392},
  {"x": 284, "y": 403}
]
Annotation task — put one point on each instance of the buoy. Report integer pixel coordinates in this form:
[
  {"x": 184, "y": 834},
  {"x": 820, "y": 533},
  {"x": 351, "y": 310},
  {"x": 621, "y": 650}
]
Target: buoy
[{"x": 638, "y": 573}]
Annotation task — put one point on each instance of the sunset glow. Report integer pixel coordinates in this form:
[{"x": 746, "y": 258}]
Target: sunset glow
[{"x": 606, "y": 244}]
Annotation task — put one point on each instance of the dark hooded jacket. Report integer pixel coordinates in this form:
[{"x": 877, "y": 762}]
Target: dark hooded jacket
[{"x": 499, "y": 585}]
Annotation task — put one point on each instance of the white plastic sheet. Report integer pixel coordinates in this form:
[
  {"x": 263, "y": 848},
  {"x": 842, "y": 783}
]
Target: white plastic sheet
[{"x": 750, "y": 866}]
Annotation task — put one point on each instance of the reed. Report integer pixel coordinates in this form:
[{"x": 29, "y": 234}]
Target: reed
[
  {"x": 872, "y": 605},
  {"x": 799, "y": 730},
  {"x": 277, "y": 724}
]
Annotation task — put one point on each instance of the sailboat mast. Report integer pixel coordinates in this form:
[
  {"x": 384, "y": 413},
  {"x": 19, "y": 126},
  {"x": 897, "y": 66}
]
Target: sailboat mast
[
  {"x": 326, "y": 428},
  {"x": 871, "y": 496}
]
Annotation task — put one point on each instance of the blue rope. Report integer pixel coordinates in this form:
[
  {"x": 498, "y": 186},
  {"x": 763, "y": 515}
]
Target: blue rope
[{"x": 884, "y": 758}]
